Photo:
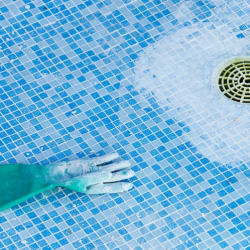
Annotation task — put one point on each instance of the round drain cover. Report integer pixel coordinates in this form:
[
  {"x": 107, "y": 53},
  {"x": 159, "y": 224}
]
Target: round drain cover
[{"x": 234, "y": 80}]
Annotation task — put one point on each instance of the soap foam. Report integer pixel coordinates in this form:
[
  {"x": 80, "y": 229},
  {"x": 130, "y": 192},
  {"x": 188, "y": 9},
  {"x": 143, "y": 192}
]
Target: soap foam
[{"x": 176, "y": 71}]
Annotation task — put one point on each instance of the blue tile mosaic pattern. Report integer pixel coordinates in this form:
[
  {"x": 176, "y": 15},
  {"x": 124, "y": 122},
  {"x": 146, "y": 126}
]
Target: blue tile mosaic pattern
[{"x": 70, "y": 75}]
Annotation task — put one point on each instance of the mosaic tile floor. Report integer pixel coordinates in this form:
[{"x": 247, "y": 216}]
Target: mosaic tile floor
[{"x": 85, "y": 78}]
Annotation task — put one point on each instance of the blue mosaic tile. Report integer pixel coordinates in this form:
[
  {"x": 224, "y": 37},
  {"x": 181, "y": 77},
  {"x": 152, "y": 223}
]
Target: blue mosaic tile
[{"x": 86, "y": 78}]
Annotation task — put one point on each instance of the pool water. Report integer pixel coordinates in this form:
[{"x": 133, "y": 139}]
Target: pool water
[{"x": 86, "y": 78}]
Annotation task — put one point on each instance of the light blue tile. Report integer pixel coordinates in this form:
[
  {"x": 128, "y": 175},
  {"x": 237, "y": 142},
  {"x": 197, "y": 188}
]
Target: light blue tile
[{"x": 122, "y": 76}]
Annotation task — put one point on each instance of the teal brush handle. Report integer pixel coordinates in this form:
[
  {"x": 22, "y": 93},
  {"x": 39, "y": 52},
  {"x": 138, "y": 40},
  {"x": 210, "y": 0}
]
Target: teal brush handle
[{"x": 19, "y": 182}]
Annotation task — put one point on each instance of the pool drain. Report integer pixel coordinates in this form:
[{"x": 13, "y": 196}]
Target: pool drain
[{"x": 234, "y": 80}]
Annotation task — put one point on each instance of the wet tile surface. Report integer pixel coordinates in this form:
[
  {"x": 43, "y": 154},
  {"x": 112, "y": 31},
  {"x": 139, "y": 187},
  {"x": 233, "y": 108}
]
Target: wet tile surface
[{"x": 86, "y": 78}]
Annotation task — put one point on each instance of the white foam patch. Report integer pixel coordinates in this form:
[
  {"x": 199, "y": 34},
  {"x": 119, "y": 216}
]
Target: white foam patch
[
  {"x": 126, "y": 186},
  {"x": 177, "y": 72},
  {"x": 107, "y": 188},
  {"x": 50, "y": 23}
]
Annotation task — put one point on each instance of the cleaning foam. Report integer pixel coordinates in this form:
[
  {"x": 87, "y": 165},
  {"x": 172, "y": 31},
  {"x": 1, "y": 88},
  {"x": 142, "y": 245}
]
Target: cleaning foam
[{"x": 177, "y": 72}]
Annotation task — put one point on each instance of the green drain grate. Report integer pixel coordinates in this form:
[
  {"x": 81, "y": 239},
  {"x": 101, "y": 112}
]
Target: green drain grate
[{"x": 234, "y": 81}]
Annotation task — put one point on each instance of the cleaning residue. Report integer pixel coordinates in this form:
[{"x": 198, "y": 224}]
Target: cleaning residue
[
  {"x": 50, "y": 23},
  {"x": 65, "y": 170},
  {"x": 181, "y": 83},
  {"x": 107, "y": 189}
]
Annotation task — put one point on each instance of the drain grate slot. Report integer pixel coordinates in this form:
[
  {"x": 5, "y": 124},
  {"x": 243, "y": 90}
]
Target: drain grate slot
[{"x": 234, "y": 81}]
